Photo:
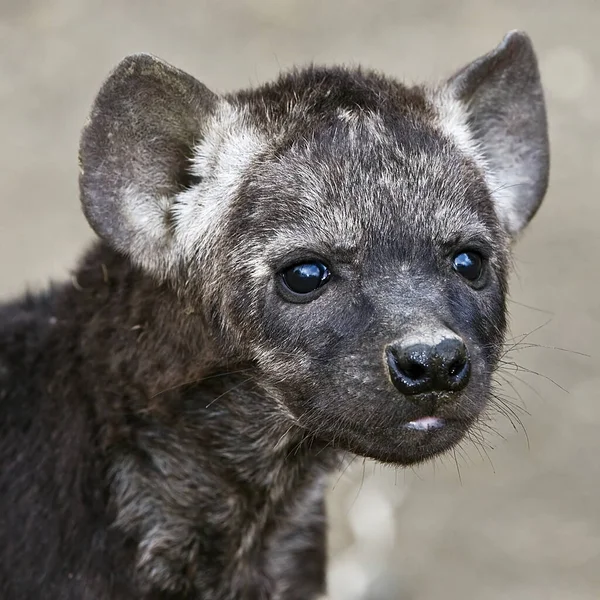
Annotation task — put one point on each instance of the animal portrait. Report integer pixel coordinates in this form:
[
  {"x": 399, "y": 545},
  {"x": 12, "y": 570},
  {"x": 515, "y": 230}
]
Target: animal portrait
[{"x": 283, "y": 277}]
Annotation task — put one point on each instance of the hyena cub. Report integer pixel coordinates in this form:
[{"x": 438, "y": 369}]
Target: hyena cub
[{"x": 284, "y": 275}]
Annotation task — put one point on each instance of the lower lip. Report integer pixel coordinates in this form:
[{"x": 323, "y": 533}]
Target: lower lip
[{"x": 425, "y": 424}]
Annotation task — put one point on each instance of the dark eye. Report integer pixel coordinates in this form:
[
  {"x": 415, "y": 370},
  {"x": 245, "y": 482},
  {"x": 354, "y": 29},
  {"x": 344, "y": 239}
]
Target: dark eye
[
  {"x": 305, "y": 278},
  {"x": 469, "y": 265}
]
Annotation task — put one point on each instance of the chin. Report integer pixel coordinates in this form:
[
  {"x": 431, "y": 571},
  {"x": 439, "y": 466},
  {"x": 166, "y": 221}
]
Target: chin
[
  {"x": 397, "y": 430},
  {"x": 425, "y": 439},
  {"x": 407, "y": 443}
]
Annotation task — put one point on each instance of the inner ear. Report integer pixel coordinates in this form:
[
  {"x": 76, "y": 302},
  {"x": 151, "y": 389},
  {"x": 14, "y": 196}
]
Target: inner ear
[
  {"x": 186, "y": 178},
  {"x": 135, "y": 153},
  {"x": 503, "y": 103}
]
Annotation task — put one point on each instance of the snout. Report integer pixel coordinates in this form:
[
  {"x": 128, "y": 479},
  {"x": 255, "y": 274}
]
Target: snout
[{"x": 422, "y": 366}]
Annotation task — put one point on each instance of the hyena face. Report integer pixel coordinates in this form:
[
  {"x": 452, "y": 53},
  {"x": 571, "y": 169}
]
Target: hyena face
[
  {"x": 346, "y": 235},
  {"x": 374, "y": 269}
]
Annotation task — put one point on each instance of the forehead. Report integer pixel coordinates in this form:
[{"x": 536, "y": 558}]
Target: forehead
[{"x": 364, "y": 178}]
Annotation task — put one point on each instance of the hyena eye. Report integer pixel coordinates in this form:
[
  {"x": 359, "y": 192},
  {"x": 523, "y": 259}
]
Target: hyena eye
[
  {"x": 469, "y": 265},
  {"x": 305, "y": 278}
]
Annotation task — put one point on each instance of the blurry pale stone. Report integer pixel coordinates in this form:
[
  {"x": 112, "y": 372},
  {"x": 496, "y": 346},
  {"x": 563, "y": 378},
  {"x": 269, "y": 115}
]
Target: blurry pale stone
[
  {"x": 371, "y": 519},
  {"x": 347, "y": 578},
  {"x": 567, "y": 73}
]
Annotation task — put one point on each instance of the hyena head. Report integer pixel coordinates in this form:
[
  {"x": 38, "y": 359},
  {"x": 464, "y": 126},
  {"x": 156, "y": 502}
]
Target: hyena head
[{"x": 345, "y": 235}]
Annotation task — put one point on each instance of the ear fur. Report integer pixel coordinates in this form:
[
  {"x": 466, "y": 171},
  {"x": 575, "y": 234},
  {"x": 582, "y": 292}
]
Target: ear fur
[
  {"x": 135, "y": 155},
  {"x": 501, "y": 104}
]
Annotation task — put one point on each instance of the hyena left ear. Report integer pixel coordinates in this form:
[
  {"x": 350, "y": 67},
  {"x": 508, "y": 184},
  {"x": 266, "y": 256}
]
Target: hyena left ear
[
  {"x": 503, "y": 103},
  {"x": 135, "y": 156}
]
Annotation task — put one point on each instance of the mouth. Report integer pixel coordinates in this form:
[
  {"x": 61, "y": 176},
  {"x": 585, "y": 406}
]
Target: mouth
[
  {"x": 425, "y": 424},
  {"x": 401, "y": 431},
  {"x": 427, "y": 437},
  {"x": 403, "y": 443}
]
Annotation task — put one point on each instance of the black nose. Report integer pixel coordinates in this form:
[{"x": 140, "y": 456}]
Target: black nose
[{"x": 420, "y": 368}]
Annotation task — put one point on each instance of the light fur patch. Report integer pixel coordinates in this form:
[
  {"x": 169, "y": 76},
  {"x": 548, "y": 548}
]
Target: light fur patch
[
  {"x": 147, "y": 217},
  {"x": 167, "y": 229},
  {"x": 453, "y": 123},
  {"x": 220, "y": 160},
  {"x": 429, "y": 337}
]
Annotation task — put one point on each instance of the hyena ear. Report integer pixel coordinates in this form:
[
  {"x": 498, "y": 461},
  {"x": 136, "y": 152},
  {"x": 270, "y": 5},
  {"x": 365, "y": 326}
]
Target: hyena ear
[
  {"x": 135, "y": 156},
  {"x": 503, "y": 101}
]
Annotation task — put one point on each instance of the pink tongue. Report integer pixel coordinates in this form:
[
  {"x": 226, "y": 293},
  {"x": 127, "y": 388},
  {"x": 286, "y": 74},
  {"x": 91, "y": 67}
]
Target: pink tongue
[{"x": 425, "y": 423}]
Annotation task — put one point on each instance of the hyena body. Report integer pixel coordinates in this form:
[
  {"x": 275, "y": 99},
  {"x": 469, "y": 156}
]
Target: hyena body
[{"x": 285, "y": 275}]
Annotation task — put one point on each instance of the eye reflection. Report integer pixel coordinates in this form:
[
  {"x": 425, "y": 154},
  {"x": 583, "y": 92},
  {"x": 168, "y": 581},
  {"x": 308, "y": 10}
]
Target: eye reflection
[
  {"x": 305, "y": 278},
  {"x": 469, "y": 265}
]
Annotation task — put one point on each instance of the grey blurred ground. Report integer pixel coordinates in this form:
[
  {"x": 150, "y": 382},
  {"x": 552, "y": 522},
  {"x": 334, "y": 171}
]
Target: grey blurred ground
[{"x": 523, "y": 524}]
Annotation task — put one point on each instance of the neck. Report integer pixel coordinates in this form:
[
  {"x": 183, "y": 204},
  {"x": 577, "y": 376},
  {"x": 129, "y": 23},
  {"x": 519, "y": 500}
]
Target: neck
[{"x": 206, "y": 475}]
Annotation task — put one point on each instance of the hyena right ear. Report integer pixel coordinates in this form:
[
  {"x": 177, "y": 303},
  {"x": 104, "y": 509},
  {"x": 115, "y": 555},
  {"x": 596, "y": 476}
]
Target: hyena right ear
[
  {"x": 135, "y": 156},
  {"x": 502, "y": 101}
]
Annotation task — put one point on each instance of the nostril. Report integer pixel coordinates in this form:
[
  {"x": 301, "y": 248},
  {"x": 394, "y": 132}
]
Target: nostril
[
  {"x": 457, "y": 366},
  {"x": 412, "y": 369},
  {"x": 454, "y": 366},
  {"x": 409, "y": 369}
]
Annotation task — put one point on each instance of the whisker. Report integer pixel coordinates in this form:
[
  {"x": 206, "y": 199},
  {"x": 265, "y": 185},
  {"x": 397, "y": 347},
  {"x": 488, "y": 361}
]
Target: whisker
[
  {"x": 541, "y": 310},
  {"x": 232, "y": 389},
  {"x": 530, "y": 345},
  {"x": 478, "y": 440},
  {"x": 503, "y": 407},
  {"x": 457, "y": 466},
  {"x": 344, "y": 471},
  {"x": 485, "y": 426},
  {"x": 362, "y": 481},
  {"x": 512, "y": 386},
  {"x": 200, "y": 380},
  {"x": 521, "y": 369},
  {"x": 520, "y": 380}
]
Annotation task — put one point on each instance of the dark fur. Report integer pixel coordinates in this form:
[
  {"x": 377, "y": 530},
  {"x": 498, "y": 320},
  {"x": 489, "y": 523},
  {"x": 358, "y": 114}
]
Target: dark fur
[{"x": 168, "y": 419}]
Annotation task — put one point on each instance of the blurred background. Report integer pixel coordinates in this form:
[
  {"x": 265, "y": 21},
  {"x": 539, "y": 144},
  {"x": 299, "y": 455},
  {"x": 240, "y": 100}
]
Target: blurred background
[{"x": 516, "y": 519}]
